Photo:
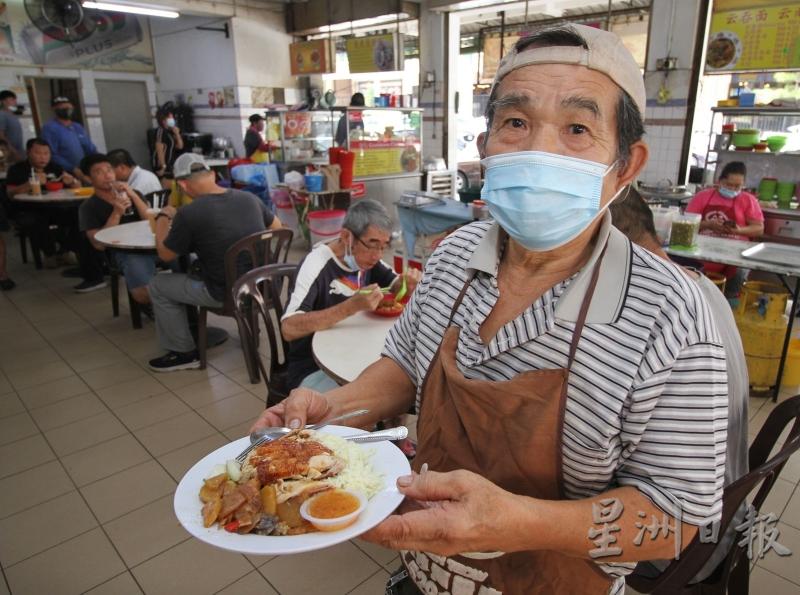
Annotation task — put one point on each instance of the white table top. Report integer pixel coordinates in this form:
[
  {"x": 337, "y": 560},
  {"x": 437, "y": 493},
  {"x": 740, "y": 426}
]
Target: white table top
[
  {"x": 128, "y": 236},
  {"x": 726, "y": 251},
  {"x": 59, "y": 196},
  {"x": 346, "y": 349}
]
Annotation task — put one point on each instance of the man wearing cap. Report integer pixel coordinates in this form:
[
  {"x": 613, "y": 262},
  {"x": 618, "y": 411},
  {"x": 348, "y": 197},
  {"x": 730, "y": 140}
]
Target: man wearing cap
[
  {"x": 216, "y": 219},
  {"x": 67, "y": 139},
  {"x": 571, "y": 386},
  {"x": 252, "y": 138}
]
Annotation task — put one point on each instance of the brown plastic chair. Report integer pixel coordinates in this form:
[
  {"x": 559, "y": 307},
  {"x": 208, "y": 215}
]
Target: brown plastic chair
[
  {"x": 260, "y": 297},
  {"x": 255, "y": 250},
  {"x": 732, "y": 575}
]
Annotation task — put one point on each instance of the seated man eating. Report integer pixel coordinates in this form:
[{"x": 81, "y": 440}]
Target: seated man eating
[
  {"x": 335, "y": 281},
  {"x": 39, "y": 163},
  {"x": 113, "y": 203},
  {"x": 216, "y": 219}
]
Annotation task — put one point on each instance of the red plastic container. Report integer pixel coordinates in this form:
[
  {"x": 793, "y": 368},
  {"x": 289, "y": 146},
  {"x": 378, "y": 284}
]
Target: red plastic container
[
  {"x": 53, "y": 186},
  {"x": 334, "y": 155},
  {"x": 346, "y": 160}
]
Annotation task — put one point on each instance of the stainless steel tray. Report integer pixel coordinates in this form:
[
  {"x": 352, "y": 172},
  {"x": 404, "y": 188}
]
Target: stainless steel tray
[{"x": 774, "y": 254}]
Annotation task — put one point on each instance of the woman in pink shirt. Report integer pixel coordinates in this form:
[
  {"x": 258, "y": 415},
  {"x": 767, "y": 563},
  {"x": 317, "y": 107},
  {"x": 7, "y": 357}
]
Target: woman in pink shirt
[{"x": 728, "y": 212}]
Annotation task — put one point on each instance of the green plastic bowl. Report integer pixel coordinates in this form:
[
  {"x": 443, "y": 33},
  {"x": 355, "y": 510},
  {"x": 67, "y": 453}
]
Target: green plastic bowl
[
  {"x": 776, "y": 143},
  {"x": 745, "y": 137}
]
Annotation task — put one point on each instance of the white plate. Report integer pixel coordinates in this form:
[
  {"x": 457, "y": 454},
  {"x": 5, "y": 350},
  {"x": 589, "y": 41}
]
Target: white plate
[{"x": 387, "y": 460}]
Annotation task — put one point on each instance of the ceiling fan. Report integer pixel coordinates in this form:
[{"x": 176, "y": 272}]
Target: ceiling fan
[{"x": 62, "y": 20}]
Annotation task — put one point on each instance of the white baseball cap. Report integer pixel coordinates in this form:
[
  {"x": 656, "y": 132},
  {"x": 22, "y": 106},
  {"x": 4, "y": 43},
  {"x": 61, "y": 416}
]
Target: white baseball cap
[
  {"x": 606, "y": 53},
  {"x": 188, "y": 164}
]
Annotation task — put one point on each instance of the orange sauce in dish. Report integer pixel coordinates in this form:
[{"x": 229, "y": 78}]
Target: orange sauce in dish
[{"x": 333, "y": 504}]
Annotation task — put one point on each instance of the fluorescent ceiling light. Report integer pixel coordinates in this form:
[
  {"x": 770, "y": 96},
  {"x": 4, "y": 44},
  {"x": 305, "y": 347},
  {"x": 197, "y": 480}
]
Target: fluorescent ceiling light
[{"x": 149, "y": 10}]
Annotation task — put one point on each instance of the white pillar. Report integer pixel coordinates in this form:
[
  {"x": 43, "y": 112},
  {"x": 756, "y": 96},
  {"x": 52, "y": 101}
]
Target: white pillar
[
  {"x": 673, "y": 31},
  {"x": 433, "y": 84}
]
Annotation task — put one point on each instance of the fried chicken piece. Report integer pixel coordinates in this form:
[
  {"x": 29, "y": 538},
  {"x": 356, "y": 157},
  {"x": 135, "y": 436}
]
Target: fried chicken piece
[{"x": 294, "y": 455}]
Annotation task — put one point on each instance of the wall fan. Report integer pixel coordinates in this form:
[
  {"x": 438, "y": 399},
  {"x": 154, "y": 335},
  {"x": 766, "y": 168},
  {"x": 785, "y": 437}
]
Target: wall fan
[{"x": 62, "y": 20}]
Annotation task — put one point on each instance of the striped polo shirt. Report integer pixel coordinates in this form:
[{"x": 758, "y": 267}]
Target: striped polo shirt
[{"x": 647, "y": 393}]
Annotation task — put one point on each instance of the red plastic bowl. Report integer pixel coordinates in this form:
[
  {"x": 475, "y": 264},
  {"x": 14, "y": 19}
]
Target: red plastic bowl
[
  {"x": 53, "y": 186},
  {"x": 390, "y": 313}
]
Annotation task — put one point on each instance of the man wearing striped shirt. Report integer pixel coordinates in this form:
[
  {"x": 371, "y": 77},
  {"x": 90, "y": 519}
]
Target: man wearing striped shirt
[{"x": 571, "y": 386}]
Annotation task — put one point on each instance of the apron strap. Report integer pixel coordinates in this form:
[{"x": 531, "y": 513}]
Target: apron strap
[
  {"x": 587, "y": 300},
  {"x": 459, "y": 299}
]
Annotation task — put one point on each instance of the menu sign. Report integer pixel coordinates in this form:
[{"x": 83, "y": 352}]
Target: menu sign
[
  {"x": 310, "y": 57},
  {"x": 754, "y": 37},
  {"x": 375, "y": 53}
]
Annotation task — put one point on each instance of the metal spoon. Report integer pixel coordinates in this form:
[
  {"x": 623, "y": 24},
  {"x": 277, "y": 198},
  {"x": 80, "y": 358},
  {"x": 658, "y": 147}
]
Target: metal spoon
[
  {"x": 269, "y": 434},
  {"x": 398, "y": 433}
]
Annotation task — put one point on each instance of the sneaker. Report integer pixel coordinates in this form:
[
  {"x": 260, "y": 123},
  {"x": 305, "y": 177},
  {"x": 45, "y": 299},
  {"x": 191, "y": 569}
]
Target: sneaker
[
  {"x": 173, "y": 361},
  {"x": 7, "y": 284},
  {"x": 87, "y": 286}
]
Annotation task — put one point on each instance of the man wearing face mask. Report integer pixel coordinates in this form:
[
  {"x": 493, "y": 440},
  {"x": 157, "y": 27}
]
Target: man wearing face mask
[
  {"x": 68, "y": 140},
  {"x": 335, "y": 281},
  {"x": 571, "y": 386}
]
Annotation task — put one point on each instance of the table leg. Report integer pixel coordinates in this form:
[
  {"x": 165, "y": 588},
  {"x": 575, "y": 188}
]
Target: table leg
[{"x": 787, "y": 338}]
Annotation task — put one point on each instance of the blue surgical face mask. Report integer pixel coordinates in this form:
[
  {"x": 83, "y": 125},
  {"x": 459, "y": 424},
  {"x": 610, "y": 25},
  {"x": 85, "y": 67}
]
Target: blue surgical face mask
[
  {"x": 170, "y": 122},
  {"x": 727, "y": 192},
  {"x": 543, "y": 200},
  {"x": 349, "y": 259}
]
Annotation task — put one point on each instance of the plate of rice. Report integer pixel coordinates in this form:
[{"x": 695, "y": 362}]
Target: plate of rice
[{"x": 370, "y": 469}]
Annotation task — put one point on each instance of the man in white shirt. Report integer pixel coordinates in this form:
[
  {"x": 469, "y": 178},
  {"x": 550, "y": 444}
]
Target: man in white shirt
[{"x": 126, "y": 170}]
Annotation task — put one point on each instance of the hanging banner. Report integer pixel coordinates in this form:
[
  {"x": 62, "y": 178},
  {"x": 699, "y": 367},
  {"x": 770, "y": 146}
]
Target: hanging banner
[
  {"x": 492, "y": 53},
  {"x": 755, "y": 37},
  {"x": 310, "y": 57},
  {"x": 375, "y": 53}
]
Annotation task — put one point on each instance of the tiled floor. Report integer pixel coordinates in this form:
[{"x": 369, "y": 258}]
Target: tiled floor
[{"x": 92, "y": 445}]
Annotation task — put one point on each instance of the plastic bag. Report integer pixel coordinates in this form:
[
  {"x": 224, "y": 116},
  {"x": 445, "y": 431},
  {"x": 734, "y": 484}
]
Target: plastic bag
[
  {"x": 295, "y": 180},
  {"x": 258, "y": 174}
]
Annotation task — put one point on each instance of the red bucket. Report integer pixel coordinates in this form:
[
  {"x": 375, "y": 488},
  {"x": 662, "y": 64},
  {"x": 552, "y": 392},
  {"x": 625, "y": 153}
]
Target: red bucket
[{"x": 346, "y": 160}]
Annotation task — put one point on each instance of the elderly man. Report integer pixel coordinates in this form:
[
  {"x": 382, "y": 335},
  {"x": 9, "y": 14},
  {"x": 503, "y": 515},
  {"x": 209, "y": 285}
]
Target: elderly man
[
  {"x": 216, "y": 219},
  {"x": 335, "y": 281},
  {"x": 571, "y": 385},
  {"x": 126, "y": 170},
  {"x": 68, "y": 140}
]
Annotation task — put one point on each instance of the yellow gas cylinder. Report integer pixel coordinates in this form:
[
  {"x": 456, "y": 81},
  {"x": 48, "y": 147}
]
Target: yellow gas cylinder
[{"x": 762, "y": 321}]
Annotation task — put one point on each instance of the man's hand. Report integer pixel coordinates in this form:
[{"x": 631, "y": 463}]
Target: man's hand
[
  {"x": 302, "y": 406},
  {"x": 366, "y": 301},
  {"x": 449, "y": 513},
  {"x": 413, "y": 277},
  {"x": 715, "y": 227},
  {"x": 169, "y": 211},
  {"x": 122, "y": 203},
  {"x": 68, "y": 179},
  {"x": 175, "y": 130}
]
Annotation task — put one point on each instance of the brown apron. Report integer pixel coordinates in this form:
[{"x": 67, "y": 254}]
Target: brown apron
[{"x": 510, "y": 433}]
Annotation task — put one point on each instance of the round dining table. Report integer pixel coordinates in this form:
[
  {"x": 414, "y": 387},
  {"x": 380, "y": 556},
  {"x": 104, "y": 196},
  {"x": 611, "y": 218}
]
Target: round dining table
[
  {"x": 127, "y": 236},
  {"x": 136, "y": 236},
  {"x": 351, "y": 345}
]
